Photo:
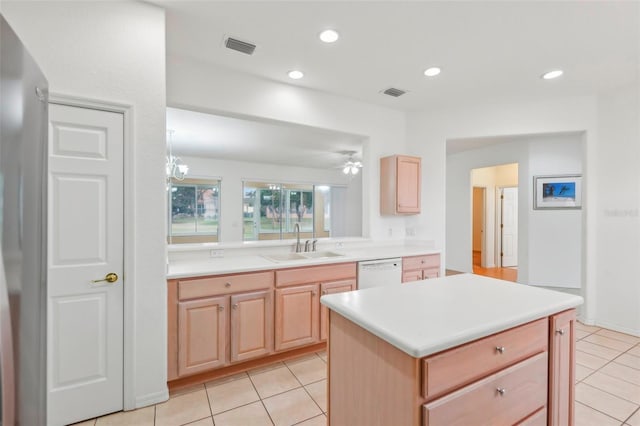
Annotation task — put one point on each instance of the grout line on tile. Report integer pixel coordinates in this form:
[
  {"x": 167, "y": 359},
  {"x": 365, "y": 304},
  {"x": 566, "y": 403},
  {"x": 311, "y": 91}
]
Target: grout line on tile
[
  {"x": 206, "y": 392},
  {"x": 614, "y": 377},
  {"x": 594, "y": 409},
  {"x": 260, "y": 398},
  {"x": 312, "y": 417},
  {"x": 268, "y": 413},
  {"x": 193, "y": 421},
  {"x": 602, "y": 390},
  {"x": 631, "y": 415},
  {"x": 314, "y": 401}
]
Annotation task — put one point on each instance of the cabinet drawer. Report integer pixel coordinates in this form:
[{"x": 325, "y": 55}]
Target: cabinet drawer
[
  {"x": 225, "y": 284},
  {"x": 431, "y": 273},
  {"x": 421, "y": 262},
  {"x": 462, "y": 365},
  {"x": 539, "y": 418},
  {"x": 315, "y": 274},
  {"x": 501, "y": 399},
  {"x": 412, "y": 276}
]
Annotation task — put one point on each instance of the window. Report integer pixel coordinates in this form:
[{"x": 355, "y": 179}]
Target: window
[
  {"x": 271, "y": 211},
  {"x": 194, "y": 209}
]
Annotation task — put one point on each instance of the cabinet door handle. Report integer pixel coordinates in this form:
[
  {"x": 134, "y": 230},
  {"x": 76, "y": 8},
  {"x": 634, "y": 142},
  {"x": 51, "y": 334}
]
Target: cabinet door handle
[
  {"x": 227, "y": 284},
  {"x": 501, "y": 391},
  {"x": 560, "y": 331},
  {"x": 235, "y": 306},
  {"x": 220, "y": 308},
  {"x": 500, "y": 349},
  {"x": 324, "y": 291},
  {"x": 313, "y": 293}
]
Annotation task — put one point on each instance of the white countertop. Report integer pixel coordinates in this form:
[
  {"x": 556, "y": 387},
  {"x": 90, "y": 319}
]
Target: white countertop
[
  {"x": 249, "y": 263},
  {"x": 425, "y": 317}
]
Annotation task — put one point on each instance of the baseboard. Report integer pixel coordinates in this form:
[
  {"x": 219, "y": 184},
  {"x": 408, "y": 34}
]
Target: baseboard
[
  {"x": 152, "y": 398},
  {"x": 616, "y": 327}
]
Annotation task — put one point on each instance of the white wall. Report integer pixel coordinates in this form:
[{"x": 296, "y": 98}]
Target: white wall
[
  {"x": 611, "y": 218},
  {"x": 617, "y": 215},
  {"x": 428, "y": 131},
  {"x": 115, "y": 51},
  {"x": 544, "y": 257},
  {"x": 233, "y": 173},
  {"x": 555, "y": 236},
  {"x": 193, "y": 86}
]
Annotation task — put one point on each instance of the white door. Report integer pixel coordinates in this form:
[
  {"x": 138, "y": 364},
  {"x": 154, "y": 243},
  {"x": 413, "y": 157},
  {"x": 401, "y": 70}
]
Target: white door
[
  {"x": 85, "y": 318},
  {"x": 509, "y": 227}
]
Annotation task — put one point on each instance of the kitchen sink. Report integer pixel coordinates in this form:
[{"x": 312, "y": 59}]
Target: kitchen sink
[
  {"x": 321, "y": 254},
  {"x": 284, "y": 257},
  {"x": 287, "y": 257}
]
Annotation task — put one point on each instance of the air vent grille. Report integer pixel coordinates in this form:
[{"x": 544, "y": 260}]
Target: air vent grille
[
  {"x": 240, "y": 46},
  {"x": 394, "y": 92}
]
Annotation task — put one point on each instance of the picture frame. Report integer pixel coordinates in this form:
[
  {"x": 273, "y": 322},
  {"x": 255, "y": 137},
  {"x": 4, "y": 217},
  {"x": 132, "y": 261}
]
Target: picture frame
[{"x": 554, "y": 192}]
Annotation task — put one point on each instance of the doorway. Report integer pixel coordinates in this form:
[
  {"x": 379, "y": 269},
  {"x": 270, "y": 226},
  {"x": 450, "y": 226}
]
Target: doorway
[
  {"x": 478, "y": 225},
  {"x": 490, "y": 209}
]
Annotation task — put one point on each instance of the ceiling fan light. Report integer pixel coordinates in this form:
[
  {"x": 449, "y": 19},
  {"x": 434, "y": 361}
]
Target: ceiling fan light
[
  {"x": 329, "y": 36},
  {"x": 346, "y": 169},
  {"x": 354, "y": 170}
]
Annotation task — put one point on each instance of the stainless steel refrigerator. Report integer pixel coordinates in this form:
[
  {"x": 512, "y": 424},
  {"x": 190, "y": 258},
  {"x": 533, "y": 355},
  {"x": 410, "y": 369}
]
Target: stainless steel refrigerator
[{"x": 23, "y": 174}]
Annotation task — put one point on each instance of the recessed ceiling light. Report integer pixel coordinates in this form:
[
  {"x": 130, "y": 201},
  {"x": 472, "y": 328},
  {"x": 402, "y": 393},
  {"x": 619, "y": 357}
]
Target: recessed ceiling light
[
  {"x": 329, "y": 36},
  {"x": 296, "y": 75},
  {"x": 552, "y": 74},
  {"x": 432, "y": 72}
]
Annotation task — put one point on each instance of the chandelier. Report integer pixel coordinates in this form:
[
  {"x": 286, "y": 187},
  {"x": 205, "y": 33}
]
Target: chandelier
[
  {"x": 351, "y": 167},
  {"x": 175, "y": 168}
]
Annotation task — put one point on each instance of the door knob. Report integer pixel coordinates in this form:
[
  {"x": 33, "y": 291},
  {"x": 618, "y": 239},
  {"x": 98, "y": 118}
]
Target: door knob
[{"x": 110, "y": 278}]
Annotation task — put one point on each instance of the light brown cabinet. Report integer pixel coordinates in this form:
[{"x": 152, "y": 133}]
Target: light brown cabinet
[
  {"x": 520, "y": 376},
  {"x": 297, "y": 316},
  {"x": 215, "y": 321},
  {"x": 561, "y": 368},
  {"x": 202, "y": 334},
  {"x": 298, "y": 312},
  {"x": 251, "y": 325},
  {"x": 400, "y": 182},
  {"x": 416, "y": 268},
  {"x": 332, "y": 288}
]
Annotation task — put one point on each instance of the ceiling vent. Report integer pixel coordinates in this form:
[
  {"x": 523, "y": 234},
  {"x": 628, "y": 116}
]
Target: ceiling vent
[
  {"x": 240, "y": 46},
  {"x": 394, "y": 92}
]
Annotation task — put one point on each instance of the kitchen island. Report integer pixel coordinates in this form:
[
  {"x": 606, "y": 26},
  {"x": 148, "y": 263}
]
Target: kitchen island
[{"x": 462, "y": 350}]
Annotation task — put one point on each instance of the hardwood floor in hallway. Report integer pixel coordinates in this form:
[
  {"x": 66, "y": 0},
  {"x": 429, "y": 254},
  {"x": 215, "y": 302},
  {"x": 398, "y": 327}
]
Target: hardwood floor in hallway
[{"x": 507, "y": 274}]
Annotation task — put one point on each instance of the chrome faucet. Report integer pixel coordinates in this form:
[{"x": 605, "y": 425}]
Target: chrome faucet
[
  {"x": 314, "y": 244},
  {"x": 296, "y": 229},
  {"x": 306, "y": 246}
]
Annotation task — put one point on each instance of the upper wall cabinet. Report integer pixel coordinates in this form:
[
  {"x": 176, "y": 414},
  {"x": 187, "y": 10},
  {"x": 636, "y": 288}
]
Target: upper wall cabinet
[{"x": 400, "y": 177}]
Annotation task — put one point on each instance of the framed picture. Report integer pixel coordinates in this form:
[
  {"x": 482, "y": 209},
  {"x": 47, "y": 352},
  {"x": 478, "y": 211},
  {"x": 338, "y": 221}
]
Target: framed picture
[{"x": 557, "y": 192}]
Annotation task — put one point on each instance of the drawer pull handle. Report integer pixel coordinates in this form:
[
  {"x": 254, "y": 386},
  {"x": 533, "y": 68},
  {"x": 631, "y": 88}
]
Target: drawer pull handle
[
  {"x": 227, "y": 285},
  {"x": 560, "y": 331},
  {"x": 221, "y": 308},
  {"x": 501, "y": 391},
  {"x": 500, "y": 349},
  {"x": 235, "y": 306},
  {"x": 324, "y": 291},
  {"x": 313, "y": 293}
]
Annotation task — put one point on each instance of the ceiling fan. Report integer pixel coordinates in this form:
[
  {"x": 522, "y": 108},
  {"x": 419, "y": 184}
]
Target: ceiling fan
[{"x": 351, "y": 167}]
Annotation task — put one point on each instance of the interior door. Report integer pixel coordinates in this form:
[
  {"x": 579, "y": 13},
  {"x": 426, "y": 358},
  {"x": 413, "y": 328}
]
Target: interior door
[
  {"x": 509, "y": 227},
  {"x": 85, "y": 302}
]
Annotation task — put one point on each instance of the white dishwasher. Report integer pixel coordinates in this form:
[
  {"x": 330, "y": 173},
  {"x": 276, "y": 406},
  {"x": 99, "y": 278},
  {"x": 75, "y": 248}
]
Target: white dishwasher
[{"x": 377, "y": 273}]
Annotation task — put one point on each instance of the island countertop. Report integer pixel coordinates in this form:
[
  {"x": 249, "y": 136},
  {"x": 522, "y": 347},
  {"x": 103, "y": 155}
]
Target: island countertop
[{"x": 425, "y": 317}]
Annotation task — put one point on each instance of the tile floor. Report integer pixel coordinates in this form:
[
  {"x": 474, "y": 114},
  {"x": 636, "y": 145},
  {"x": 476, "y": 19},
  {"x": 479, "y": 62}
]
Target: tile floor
[{"x": 294, "y": 392}]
